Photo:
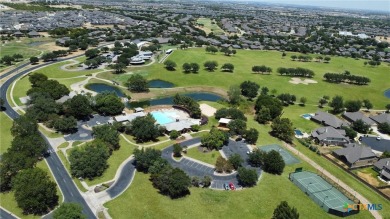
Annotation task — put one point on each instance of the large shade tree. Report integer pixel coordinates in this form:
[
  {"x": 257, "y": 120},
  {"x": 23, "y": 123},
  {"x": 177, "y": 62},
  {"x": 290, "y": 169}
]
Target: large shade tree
[{"x": 35, "y": 193}]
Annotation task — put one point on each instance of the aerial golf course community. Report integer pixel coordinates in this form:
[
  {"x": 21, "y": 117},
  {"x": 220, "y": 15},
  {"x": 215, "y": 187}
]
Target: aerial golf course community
[{"x": 187, "y": 111}]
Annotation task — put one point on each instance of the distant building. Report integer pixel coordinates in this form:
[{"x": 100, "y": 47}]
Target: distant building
[
  {"x": 328, "y": 120},
  {"x": 354, "y": 116},
  {"x": 329, "y": 136},
  {"x": 383, "y": 168}
]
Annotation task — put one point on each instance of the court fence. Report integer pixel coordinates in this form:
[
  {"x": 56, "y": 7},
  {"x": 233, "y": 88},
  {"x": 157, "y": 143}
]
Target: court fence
[{"x": 321, "y": 201}]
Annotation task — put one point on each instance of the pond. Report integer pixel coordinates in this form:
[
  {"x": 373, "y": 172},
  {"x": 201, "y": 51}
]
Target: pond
[
  {"x": 199, "y": 96},
  {"x": 160, "y": 84},
  {"x": 99, "y": 88},
  {"x": 387, "y": 93}
]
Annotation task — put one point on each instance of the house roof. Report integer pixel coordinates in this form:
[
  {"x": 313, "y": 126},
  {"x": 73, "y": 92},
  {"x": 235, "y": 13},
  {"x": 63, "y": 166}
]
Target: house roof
[
  {"x": 354, "y": 116},
  {"x": 33, "y": 33},
  {"x": 224, "y": 120},
  {"x": 354, "y": 152},
  {"x": 377, "y": 145},
  {"x": 383, "y": 162},
  {"x": 329, "y": 119},
  {"x": 129, "y": 117},
  {"x": 178, "y": 126},
  {"x": 384, "y": 117},
  {"x": 328, "y": 132}
]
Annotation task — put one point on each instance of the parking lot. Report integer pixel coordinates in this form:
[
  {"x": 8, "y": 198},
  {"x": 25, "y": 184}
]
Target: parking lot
[
  {"x": 193, "y": 168},
  {"x": 84, "y": 134}
]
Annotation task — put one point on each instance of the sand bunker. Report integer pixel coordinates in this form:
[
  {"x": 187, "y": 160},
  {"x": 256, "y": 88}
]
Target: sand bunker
[
  {"x": 300, "y": 81},
  {"x": 207, "y": 110}
]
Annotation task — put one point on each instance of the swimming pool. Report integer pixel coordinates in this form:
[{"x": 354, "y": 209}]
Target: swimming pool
[
  {"x": 298, "y": 132},
  {"x": 163, "y": 118},
  {"x": 306, "y": 116}
]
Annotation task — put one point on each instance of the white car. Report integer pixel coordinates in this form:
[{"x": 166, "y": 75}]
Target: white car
[{"x": 378, "y": 138}]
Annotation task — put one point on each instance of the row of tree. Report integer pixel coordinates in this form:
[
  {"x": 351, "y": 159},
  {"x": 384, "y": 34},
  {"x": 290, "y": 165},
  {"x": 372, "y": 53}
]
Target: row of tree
[
  {"x": 8, "y": 60},
  {"x": 271, "y": 162},
  {"x": 299, "y": 72},
  {"x": 188, "y": 103},
  {"x": 346, "y": 78},
  {"x": 261, "y": 69},
  {"x": 303, "y": 58},
  {"x": 35, "y": 192}
]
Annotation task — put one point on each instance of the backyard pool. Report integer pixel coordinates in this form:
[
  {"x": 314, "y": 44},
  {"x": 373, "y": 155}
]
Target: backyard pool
[
  {"x": 163, "y": 117},
  {"x": 306, "y": 116},
  {"x": 298, "y": 132}
]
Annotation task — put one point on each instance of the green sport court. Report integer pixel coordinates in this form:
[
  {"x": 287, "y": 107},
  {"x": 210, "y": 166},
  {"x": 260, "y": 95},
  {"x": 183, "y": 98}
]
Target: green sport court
[
  {"x": 321, "y": 192},
  {"x": 287, "y": 157}
]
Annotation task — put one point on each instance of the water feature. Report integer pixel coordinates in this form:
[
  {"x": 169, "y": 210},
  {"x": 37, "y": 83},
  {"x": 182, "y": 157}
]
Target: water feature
[
  {"x": 169, "y": 100},
  {"x": 387, "y": 93},
  {"x": 160, "y": 84},
  {"x": 99, "y": 88}
]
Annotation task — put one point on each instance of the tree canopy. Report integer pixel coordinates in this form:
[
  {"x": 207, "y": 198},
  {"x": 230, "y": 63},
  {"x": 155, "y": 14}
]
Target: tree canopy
[
  {"x": 284, "y": 211},
  {"x": 283, "y": 129},
  {"x": 249, "y": 89},
  {"x": 215, "y": 139},
  {"x": 273, "y": 162},
  {"x": 90, "y": 160},
  {"x": 69, "y": 211},
  {"x": 274, "y": 105},
  {"x": 247, "y": 177},
  {"x": 108, "y": 103},
  {"x": 35, "y": 193},
  {"x": 79, "y": 107},
  {"x": 144, "y": 128},
  {"x": 146, "y": 158},
  {"x": 108, "y": 134},
  {"x": 137, "y": 83}
]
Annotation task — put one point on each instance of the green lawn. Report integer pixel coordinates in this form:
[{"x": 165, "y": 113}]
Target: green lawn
[
  {"x": 9, "y": 203},
  {"x": 114, "y": 162},
  {"x": 131, "y": 139},
  {"x": 20, "y": 89},
  {"x": 23, "y": 50},
  {"x": 55, "y": 71},
  {"x": 208, "y": 157},
  {"x": 50, "y": 134},
  {"x": 5, "y": 133},
  {"x": 208, "y": 26},
  {"x": 242, "y": 72},
  {"x": 256, "y": 202},
  {"x": 347, "y": 179}
]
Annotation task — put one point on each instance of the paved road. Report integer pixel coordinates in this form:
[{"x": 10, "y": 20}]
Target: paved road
[
  {"x": 6, "y": 215},
  {"x": 14, "y": 70},
  {"x": 194, "y": 168},
  {"x": 69, "y": 190},
  {"x": 123, "y": 180}
]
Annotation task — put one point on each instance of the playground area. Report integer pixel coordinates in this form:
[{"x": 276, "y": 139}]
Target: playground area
[
  {"x": 287, "y": 157},
  {"x": 323, "y": 193}
]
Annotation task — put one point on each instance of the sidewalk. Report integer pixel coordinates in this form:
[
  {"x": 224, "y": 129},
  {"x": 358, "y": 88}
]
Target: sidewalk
[{"x": 335, "y": 179}]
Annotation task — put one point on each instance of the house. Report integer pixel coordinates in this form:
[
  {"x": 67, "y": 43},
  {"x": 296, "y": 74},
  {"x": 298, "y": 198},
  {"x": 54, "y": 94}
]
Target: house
[
  {"x": 383, "y": 168},
  {"x": 329, "y": 136},
  {"x": 18, "y": 34},
  {"x": 180, "y": 126},
  {"x": 328, "y": 120},
  {"x": 224, "y": 122},
  {"x": 355, "y": 155},
  {"x": 354, "y": 116},
  {"x": 129, "y": 117},
  {"x": 33, "y": 34},
  {"x": 382, "y": 118},
  {"x": 138, "y": 109}
]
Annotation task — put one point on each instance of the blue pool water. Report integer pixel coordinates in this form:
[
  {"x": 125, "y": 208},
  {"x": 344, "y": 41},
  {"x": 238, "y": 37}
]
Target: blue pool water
[
  {"x": 306, "y": 116},
  {"x": 298, "y": 132},
  {"x": 162, "y": 118}
]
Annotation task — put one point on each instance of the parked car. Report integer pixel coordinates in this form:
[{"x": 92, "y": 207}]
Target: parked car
[
  {"x": 226, "y": 186},
  {"x": 231, "y": 185}
]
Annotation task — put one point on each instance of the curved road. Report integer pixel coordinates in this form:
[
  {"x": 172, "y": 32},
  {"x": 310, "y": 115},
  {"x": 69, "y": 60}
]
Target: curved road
[{"x": 64, "y": 181}]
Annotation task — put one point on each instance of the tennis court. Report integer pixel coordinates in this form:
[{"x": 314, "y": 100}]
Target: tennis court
[
  {"x": 322, "y": 193},
  {"x": 287, "y": 157}
]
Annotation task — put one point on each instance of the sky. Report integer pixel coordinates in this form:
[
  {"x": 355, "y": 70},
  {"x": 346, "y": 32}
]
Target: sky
[{"x": 377, "y": 5}]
